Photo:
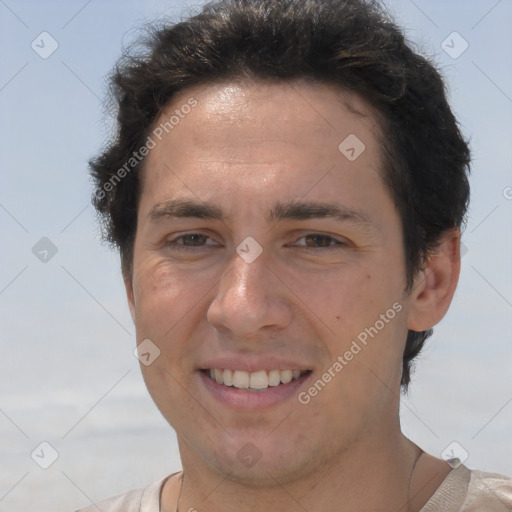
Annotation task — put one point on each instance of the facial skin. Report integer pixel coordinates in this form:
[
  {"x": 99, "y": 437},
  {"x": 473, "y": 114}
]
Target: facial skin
[{"x": 254, "y": 151}]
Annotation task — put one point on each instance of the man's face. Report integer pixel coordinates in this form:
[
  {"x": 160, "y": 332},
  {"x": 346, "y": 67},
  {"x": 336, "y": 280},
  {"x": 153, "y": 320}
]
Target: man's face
[{"x": 263, "y": 247}]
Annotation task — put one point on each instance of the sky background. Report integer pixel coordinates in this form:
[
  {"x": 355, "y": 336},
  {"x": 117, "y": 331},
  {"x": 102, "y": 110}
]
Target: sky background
[{"x": 67, "y": 373}]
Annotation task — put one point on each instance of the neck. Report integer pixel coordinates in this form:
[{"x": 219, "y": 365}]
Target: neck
[{"x": 373, "y": 474}]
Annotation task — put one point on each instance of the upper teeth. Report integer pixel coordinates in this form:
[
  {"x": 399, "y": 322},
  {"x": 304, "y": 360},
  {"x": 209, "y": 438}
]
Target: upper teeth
[{"x": 253, "y": 380}]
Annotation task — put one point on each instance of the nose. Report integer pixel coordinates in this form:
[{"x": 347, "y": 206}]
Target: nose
[{"x": 250, "y": 300}]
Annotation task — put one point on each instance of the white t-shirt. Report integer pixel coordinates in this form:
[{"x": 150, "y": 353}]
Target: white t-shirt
[{"x": 462, "y": 490}]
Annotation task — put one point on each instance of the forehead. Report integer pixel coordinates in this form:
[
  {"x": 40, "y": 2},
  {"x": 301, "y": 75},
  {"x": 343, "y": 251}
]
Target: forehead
[
  {"x": 303, "y": 106},
  {"x": 256, "y": 133}
]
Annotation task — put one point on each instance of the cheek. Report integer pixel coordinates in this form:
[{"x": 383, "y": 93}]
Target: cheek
[
  {"x": 170, "y": 310},
  {"x": 363, "y": 309},
  {"x": 343, "y": 299},
  {"x": 157, "y": 275},
  {"x": 163, "y": 297}
]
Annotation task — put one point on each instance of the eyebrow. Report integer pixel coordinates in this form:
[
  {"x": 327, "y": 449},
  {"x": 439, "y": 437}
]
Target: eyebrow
[
  {"x": 292, "y": 210},
  {"x": 299, "y": 210},
  {"x": 185, "y": 208}
]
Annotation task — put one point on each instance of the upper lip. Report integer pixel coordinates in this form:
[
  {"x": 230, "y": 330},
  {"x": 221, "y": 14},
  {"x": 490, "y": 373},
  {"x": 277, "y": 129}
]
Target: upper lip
[{"x": 253, "y": 364}]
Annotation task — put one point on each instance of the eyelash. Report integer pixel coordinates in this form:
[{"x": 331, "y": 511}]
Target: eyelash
[{"x": 333, "y": 242}]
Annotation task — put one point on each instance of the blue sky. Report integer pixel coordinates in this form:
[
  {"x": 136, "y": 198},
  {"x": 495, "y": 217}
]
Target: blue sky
[{"x": 67, "y": 373}]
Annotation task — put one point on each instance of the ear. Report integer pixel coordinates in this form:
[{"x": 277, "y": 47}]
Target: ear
[
  {"x": 435, "y": 284},
  {"x": 128, "y": 285}
]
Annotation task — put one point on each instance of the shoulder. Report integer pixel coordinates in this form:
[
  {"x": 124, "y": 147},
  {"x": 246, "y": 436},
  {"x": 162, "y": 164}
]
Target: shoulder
[
  {"x": 466, "y": 490},
  {"x": 488, "y": 491},
  {"x": 146, "y": 499}
]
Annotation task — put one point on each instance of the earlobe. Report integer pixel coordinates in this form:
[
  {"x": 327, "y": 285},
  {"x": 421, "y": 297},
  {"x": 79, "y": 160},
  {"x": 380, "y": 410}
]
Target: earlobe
[
  {"x": 128, "y": 285},
  {"x": 435, "y": 284}
]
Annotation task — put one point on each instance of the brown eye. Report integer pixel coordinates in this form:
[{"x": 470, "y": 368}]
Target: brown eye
[
  {"x": 320, "y": 241},
  {"x": 191, "y": 242},
  {"x": 193, "y": 239}
]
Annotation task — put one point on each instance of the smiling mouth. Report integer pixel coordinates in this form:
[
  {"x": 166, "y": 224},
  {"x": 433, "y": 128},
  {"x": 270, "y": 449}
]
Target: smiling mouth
[{"x": 254, "y": 381}]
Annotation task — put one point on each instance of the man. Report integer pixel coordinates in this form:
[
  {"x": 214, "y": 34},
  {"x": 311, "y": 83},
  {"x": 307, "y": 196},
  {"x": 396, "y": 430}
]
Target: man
[{"x": 286, "y": 190}]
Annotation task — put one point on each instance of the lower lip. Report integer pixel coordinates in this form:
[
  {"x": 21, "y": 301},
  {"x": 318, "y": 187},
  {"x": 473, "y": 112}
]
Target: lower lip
[{"x": 243, "y": 399}]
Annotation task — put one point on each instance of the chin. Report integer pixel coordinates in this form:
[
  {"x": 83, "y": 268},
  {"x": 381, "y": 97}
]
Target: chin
[{"x": 258, "y": 460}]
